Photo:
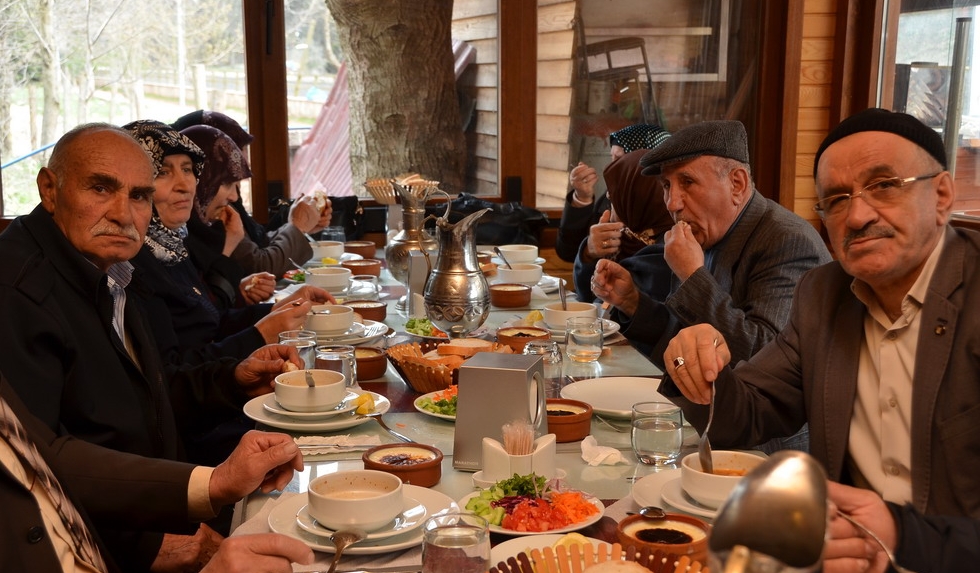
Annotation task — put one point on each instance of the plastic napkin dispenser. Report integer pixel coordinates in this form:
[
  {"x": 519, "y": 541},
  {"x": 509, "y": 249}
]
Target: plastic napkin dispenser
[{"x": 496, "y": 389}]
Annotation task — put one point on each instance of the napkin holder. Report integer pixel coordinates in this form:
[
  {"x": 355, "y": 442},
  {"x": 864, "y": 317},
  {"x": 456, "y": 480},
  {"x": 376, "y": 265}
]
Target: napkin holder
[
  {"x": 499, "y": 465},
  {"x": 496, "y": 389}
]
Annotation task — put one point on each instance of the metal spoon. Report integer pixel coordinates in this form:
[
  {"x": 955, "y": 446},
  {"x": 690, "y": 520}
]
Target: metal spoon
[
  {"x": 704, "y": 446},
  {"x": 297, "y": 265},
  {"x": 309, "y": 379},
  {"x": 876, "y": 539},
  {"x": 502, "y": 257},
  {"x": 342, "y": 540},
  {"x": 561, "y": 294},
  {"x": 776, "y": 512},
  {"x": 649, "y": 512}
]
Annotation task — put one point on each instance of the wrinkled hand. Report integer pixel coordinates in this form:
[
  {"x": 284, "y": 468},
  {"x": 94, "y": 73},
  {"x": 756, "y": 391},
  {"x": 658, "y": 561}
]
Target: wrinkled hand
[
  {"x": 259, "y": 553},
  {"x": 583, "y": 179},
  {"x": 847, "y": 550},
  {"x": 234, "y": 229},
  {"x": 682, "y": 251},
  {"x": 614, "y": 284},
  {"x": 303, "y": 213},
  {"x": 704, "y": 353},
  {"x": 257, "y": 287},
  {"x": 186, "y": 553},
  {"x": 604, "y": 238},
  {"x": 256, "y": 374},
  {"x": 285, "y": 318},
  {"x": 306, "y": 293},
  {"x": 262, "y": 460}
]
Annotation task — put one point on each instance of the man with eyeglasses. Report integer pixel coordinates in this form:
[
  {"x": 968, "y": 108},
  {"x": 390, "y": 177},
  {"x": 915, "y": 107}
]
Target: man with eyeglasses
[{"x": 881, "y": 354}]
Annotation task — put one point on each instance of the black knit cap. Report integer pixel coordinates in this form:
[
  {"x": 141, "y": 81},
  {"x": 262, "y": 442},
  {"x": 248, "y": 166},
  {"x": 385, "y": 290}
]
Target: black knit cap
[
  {"x": 718, "y": 138},
  {"x": 877, "y": 119}
]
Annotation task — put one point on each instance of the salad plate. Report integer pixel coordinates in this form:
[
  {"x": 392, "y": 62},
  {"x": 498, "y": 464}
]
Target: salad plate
[
  {"x": 408, "y": 520},
  {"x": 346, "y": 405},
  {"x": 573, "y": 527},
  {"x": 256, "y": 411},
  {"x": 282, "y": 519},
  {"x": 432, "y": 396}
]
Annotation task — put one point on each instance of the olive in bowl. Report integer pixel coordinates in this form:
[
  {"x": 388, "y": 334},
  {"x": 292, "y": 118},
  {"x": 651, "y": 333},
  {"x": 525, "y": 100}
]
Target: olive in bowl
[{"x": 416, "y": 464}]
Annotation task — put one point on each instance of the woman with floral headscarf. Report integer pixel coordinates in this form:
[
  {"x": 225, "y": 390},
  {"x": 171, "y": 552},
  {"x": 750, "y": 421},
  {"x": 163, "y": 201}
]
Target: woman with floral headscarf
[{"x": 191, "y": 327}]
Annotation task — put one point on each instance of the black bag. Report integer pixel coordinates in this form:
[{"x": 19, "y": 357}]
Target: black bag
[{"x": 506, "y": 223}]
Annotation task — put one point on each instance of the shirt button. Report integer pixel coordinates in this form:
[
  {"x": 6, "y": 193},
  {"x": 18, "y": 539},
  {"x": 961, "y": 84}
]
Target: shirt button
[
  {"x": 35, "y": 534},
  {"x": 893, "y": 470},
  {"x": 892, "y": 336},
  {"x": 893, "y": 402}
]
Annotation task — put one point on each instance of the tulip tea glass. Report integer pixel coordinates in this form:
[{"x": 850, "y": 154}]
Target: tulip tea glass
[
  {"x": 305, "y": 343},
  {"x": 657, "y": 432}
]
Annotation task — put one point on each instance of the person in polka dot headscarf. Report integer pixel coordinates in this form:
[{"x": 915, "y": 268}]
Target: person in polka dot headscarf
[{"x": 583, "y": 208}]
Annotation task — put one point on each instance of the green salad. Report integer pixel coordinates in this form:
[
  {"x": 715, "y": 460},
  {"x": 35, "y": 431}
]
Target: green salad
[
  {"x": 439, "y": 404},
  {"x": 419, "y": 326},
  {"x": 492, "y": 503}
]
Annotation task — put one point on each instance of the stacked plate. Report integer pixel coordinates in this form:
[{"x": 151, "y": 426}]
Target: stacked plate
[
  {"x": 266, "y": 410},
  {"x": 358, "y": 333}
]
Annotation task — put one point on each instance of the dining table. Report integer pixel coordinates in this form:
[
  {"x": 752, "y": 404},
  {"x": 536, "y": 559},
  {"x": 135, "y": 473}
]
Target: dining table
[{"x": 610, "y": 483}]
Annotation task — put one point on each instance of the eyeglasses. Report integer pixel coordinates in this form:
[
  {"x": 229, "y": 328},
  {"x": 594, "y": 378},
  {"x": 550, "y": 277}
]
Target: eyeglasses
[{"x": 878, "y": 193}]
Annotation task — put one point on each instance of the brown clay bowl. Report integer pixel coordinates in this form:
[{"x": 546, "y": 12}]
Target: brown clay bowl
[
  {"x": 569, "y": 420},
  {"x": 510, "y": 295},
  {"x": 369, "y": 309},
  {"x": 676, "y": 533},
  {"x": 371, "y": 362},
  {"x": 416, "y": 464},
  {"x": 366, "y": 249},
  {"x": 363, "y": 267},
  {"x": 518, "y": 336}
]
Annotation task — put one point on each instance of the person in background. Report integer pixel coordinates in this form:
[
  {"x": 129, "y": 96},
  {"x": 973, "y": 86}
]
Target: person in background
[
  {"x": 262, "y": 250},
  {"x": 77, "y": 344},
  {"x": 582, "y": 208},
  {"x": 187, "y": 326},
  {"x": 880, "y": 352},
  {"x": 54, "y": 490},
  {"x": 731, "y": 260}
]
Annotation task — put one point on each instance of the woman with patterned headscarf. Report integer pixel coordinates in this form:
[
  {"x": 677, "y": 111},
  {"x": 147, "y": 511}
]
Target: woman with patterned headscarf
[
  {"x": 189, "y": 326},
  {"x": 582, "y": 207}
]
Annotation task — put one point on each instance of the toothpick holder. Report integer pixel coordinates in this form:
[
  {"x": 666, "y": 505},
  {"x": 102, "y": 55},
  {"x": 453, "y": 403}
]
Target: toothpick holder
[{"x": 499, "y": 465}]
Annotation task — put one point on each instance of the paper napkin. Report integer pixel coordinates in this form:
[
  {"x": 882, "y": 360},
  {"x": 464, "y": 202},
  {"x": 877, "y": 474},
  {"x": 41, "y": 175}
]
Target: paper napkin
[
  {"x": 334, "y": 444},
  {"x": 596, "y": 455}
]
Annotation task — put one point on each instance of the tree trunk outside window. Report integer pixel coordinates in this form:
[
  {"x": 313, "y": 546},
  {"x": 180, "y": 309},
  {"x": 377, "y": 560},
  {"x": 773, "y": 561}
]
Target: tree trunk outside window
[{"x": 404, "y": 115}]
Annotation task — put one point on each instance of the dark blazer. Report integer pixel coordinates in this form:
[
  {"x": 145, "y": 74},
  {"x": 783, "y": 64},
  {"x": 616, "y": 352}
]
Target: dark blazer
[
  {"x": 809, "y": 374},
  {"x": 145, "y": 493}
]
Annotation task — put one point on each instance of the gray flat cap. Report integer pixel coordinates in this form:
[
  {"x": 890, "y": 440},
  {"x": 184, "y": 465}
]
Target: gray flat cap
[{"x": 718, "y": 138}]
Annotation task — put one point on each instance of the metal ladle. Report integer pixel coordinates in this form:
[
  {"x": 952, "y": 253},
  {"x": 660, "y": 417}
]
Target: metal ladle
[{"x": 774, "y": 519}]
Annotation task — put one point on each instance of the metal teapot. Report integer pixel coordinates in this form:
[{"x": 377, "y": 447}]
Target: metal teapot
[{"x": 457, "y": 298}]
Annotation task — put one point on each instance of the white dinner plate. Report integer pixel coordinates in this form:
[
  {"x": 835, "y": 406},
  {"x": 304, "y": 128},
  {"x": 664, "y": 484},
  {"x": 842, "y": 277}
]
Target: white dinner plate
[
  {"x": 314, "y": 263},
  {"x": 273, "y": 406},
  {"x": 499, "y": 261},
  {"x": 254, "y": 410},
  {"x": 418, "y": 407},
  {"x": 673, "y": 495},
  {"x": 609, "y": 327},
  {"x": 371, "y": 330},
  {"x": 408, "y": 520},
  {"x": 573, "y": 527},
  {"x": 513, "y": 547},
  {"x": 282, "y": 519},
  {"x": 646, "y": 490},
  {"x": 614, "y": 396}
]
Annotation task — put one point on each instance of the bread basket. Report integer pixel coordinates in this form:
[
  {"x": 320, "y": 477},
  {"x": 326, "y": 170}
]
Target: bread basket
[
  {"x": 578, "y": 557},
  {"x": 421, "y": 374}
]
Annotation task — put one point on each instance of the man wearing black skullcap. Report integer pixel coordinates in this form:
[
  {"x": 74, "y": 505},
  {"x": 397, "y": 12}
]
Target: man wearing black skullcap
[{"x": 880, "y": 354}]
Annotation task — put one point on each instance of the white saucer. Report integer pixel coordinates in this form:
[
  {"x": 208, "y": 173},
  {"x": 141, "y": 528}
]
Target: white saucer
[
  {"x": 254, "y": 410},
  {"x": 371, "y": 330},
  {"x": 282, "y": 519},
  {"x": 478, "y": 480},
  {"x": 537, "y": 261},
  {"x": 314, "y": 263},
  {"x": 346, "y": 405},
  {"x": 672, "y": 493},
  {"x": 355, "y": 330},
  {"x": 609, "y": 327},
  {"x": 410, "y": 519}
]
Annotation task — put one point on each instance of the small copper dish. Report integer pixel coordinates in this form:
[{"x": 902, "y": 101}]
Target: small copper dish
[{"x": 416, "y": 464}]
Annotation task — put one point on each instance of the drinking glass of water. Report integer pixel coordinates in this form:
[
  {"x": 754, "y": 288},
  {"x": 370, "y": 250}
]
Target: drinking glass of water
[
  {"x": 552, "y": 364},
  {"x": 657, "y": 432},
  {"x": 583, "y": 339},
  {"x": 455, "y": 542},
  {"x": 305, "y": 343}
]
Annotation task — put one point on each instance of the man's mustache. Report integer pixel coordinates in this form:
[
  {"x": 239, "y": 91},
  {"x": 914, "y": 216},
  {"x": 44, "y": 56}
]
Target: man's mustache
[
  {"x": 868, "y": 233},
  {"x": 129, "y": 232}
]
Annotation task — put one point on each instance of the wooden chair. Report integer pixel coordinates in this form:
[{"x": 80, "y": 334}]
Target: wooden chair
[{"x": 622, "y": 61}]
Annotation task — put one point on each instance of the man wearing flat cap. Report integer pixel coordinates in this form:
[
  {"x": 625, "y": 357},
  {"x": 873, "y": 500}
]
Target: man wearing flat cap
[
  {"x": 881, "y": 352},
  {"x": 731, "y": 259}
]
